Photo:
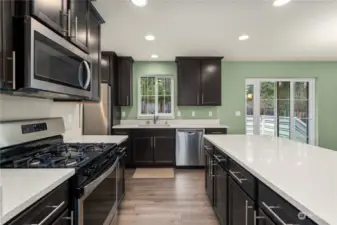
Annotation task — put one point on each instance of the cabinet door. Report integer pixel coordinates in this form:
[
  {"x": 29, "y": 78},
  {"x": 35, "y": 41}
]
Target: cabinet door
[
  {"x": 220, "y": 194},
  {"x": 125, "y": 81},
  {"x": 164, "y": 150},
  {"x": 7, "y": 54},
  {"x": 189, "y": 82},
  {"x": 52, "y": 14},
  {"x": 95, "y": 54},
  {"x": 241, "y": 211},
  {"x": 105, "y": 67},
  {"x": 209, "y": 178},
  {"x": 263, "y": 219},
  {"x": 143, "y": 150},
  {"x": 80, "y": 23},
  {"x": 210, "y": 82}
]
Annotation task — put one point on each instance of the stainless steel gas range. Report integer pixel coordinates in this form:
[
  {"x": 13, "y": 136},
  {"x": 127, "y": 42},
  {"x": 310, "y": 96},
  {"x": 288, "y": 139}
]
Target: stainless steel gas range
[{"x": 39, "y": 144}]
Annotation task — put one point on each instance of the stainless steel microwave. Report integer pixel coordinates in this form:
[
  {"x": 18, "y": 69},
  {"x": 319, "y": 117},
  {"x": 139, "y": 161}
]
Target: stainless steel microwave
[{"x": 47, "y": 64}]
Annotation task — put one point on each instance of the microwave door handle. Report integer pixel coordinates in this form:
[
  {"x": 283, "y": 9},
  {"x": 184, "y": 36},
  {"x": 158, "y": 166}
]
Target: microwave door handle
[
  {"x": 87, "y": 83},
  {"x": 80, "y": 75}
]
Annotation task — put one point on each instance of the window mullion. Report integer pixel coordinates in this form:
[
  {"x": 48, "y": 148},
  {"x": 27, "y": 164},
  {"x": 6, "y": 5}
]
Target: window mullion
[
  {"x": 292, "y": 107},
  {"x": 156, "y": 96}
]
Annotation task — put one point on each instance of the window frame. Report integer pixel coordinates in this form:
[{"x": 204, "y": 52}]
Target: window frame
[
  {"x": 313, "y": 121},
  {"x": 161, "y": 115}
]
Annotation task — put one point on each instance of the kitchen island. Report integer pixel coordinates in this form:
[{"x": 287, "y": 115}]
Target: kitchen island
[{"x": 281, "y": 181}]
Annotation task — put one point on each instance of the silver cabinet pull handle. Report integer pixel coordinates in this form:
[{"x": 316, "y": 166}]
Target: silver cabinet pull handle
[
  {"x": 69, "y": 24},
  {"x": 246, "y": 212},
  {"x": 271, "y": 211},
  {"x": 76, "y": 21},
  {"x": 56, "y": 208},
  {"x": 218, "y": 159},
  {"x": 207, "y": 148},
  {"x": 71, "y": 218},
  {"x": 127, "y": 100},
  {"x": 236, "y": 178},
  {"x": 257, "y": 217},
  {"x": 13, "y": 81},
  {"x": 14, "y": 70},
  {"x": 154, "y": 142}
]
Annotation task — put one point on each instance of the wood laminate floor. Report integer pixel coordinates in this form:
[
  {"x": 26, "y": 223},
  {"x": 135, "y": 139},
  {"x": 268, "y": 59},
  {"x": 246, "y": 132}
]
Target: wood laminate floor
[{"x": 178, "y": 201}]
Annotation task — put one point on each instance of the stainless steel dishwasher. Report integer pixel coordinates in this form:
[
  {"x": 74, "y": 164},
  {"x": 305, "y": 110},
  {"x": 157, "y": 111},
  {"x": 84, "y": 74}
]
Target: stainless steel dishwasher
[{"x": 189, "y": 151}]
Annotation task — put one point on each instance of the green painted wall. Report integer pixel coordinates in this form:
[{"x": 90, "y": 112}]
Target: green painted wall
[
  {"x": 164, "y": 68},
  {"x": 233, "y": 91}
]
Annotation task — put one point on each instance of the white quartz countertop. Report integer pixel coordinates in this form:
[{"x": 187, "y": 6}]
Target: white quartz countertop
[
  {"x": 118, "y": 139},
  {"x": 173, "y": 126},
  {"x": 304, "y": 175},
  {"x": 23, "y": 187}
]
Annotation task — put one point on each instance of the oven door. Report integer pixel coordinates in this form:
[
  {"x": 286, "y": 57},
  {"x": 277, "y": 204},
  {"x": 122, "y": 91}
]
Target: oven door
[
  {"x": 98, "y": 205},
  {"x": 51, "y": 63}
]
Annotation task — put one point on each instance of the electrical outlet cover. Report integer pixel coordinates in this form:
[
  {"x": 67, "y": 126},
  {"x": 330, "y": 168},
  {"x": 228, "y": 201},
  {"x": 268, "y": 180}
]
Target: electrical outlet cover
[
  {"x": 237, "y": 113},
  {"x": 178, "y": 113},
  {"x": 193, "y": 113},
  {"x": 210, "y": 113},
  {"x": 123, "y": 114}
]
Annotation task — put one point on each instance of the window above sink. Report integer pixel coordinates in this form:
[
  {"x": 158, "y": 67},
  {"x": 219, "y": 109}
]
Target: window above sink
[{"x": 156, "y": 97}]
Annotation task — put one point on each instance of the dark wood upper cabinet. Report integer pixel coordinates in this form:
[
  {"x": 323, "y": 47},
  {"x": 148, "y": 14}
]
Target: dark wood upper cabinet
[
  {"x": 163, "y": 147},
  {"x": 52, "y": 13},
  {"x": 210, "y": 82},
  {"x": 95, "y": 51},
  {"x": 188, "y": 76},
  {"x": 124, "y": 77},
  {"x": 199, "y": 81},
  {"x": 79, "y": 23},
  {"x": 6, "y": 45}
]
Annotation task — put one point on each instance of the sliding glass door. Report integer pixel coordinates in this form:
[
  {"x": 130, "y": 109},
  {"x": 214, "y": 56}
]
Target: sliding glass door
[{"x": 282, "y": 108}]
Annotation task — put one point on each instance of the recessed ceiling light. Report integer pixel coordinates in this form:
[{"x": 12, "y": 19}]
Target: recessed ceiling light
[
  {"x": 150, "y": 37},
  {"x": 243, "y": 37},
  {"x": 139, "y": 3},
  {"x": 154, "y": 56},
  {"x": 278, "y": 3}
]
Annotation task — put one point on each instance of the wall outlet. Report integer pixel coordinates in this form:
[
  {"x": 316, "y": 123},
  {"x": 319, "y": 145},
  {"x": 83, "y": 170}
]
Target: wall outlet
[
  {"x": 123, "y": 114},
  {"x": 70, "y": 118},
  {"x": 210, "y": 113},
  {"x": 237, "y": 113},
  {"x": 178, "y": 113},
  {"x": 193, "y": 113}
]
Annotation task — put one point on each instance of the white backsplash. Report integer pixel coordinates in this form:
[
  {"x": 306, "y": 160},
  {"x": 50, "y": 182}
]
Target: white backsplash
[{"x": 19, "y": 108}]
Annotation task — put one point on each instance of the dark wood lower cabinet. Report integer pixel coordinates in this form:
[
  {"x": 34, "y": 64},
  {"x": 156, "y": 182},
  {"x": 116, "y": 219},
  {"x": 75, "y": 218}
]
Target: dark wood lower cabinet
[
  {"x": 163, "y": 150},
  {"x": 220, "y": 194},
  {"x": 209, "y": 177},
  {"x": 241, "y": 207},
  {"x": 142, "y": 150},
  {"x": 153, "y": 147},
  {"x": 64, "y": 219}
]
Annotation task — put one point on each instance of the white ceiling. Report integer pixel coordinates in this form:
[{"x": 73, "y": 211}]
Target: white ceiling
[{"x": 300, "y": 30}]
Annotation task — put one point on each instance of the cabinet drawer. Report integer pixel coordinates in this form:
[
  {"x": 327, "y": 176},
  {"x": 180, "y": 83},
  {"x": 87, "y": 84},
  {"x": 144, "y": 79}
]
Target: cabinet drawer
[
  {"x": 48, "y": 208},
  {"x": 120, "y": 132},
  {"x": 278, "y": 209},
  {"x": 216, "y": 131},
  {"x": 242, "y": 177}
]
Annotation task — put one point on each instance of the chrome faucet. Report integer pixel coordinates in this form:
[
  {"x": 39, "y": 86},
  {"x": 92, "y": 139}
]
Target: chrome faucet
[{"x": 155, "y": 119}]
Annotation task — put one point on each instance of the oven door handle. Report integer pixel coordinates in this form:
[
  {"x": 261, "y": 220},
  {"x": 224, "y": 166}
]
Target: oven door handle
[{"x": 91, "y": 187}]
